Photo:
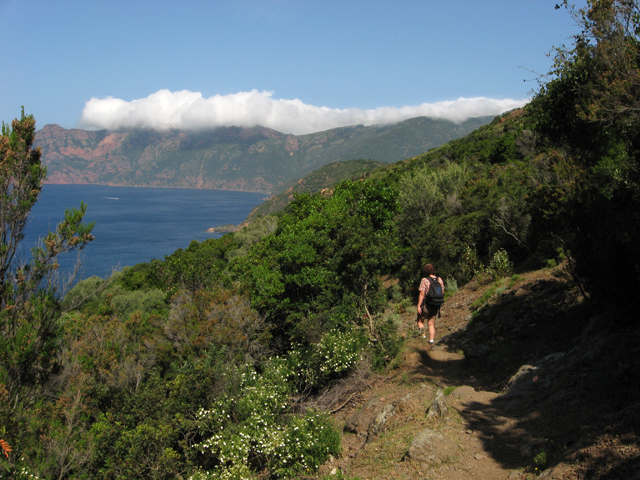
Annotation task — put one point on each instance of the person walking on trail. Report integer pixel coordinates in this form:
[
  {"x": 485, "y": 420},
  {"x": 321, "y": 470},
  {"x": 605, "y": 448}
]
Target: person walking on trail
[{"x": 431, "y": 307}]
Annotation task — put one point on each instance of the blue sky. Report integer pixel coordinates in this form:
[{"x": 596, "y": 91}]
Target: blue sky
[{"x": 297, "y": 66}]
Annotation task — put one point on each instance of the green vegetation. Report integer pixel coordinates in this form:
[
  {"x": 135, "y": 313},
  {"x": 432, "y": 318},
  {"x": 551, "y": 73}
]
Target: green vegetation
[
  {"x": 447, "y": 391},
  {"x": 589, "y": 113},
  {"x": 30, "y": 335},
  {"x": 201, "y": 365},
  {"x": 324, "y": 177}
]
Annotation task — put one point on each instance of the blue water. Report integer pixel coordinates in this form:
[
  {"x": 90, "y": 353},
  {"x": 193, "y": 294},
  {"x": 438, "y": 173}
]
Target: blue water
[{"x": 135, "y": 225}]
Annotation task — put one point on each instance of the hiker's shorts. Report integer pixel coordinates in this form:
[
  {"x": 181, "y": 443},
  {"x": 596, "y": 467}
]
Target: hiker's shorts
[{"x": 431, "y": 312}]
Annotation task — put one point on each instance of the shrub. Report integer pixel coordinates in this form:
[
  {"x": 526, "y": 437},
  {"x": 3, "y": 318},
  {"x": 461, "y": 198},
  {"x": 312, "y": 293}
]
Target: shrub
[
  {"x": 485, "y": 297},
  {"x": 125, "y": 303},
  {"x": 404, "y": 304},
  {"x": 249, "y": 430},
  {"x": 337, "y": 352},
  {"x": 85, "y": 291},
  {"x": 470, "y": 264},
  {"x": 315, "y": 365},
  {"x": 389, "y": 342},
  {"x": 500, "y": 265},
  {"x": 513, "y": 280},
  {"x": 541, "y": 459},
  {"x": 447, "y": 391},
  {"x": 395, "y": 293},
  {"x": 450, "y": 285}
]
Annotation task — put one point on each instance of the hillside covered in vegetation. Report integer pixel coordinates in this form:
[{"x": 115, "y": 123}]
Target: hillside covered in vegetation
[{"x": 218, "y": 361}]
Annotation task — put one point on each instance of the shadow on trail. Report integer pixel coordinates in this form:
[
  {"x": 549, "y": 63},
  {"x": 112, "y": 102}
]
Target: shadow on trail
[
  {"x": 442, "y": 368},
  {"x": 552, "y": 376}
]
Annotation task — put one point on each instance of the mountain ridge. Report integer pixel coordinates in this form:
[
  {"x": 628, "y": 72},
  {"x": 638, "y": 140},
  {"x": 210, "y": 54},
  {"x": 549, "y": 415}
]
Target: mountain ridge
[{"x": 256, "y": 159}]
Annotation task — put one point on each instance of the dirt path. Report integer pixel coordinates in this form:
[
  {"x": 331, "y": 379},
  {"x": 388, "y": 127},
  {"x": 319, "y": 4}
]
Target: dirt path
[
  {"x": 545, "y": 388},
  {"x": 409, "y": 392},
  {"x": 480, "y": 435}
]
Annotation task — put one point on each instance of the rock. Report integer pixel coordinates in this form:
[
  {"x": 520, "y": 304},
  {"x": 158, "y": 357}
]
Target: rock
[
  {"x": 429, "y": 446},
  {"x": 359, "y": 422},
  {"x": 372, "y": 417},
  {"x": 559, "y": 472},
  {"x": 513, "y": 405},
  {"x": 522, "y": 384},
  {"x": 223, "y": 229},
  {"x": 438, "y": 406},
  {"x": 464, "y": 391},
  {"x": 381, "y": 419}
]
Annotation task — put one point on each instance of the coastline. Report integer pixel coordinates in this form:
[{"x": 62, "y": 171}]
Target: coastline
[{"x": 267, "y": 193}]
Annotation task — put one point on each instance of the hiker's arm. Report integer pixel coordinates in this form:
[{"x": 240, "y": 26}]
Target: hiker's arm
[{"x": 420, "y": 298}]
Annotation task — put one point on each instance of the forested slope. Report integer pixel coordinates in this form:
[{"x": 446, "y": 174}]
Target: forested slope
[{"x": 211, "y": 362}]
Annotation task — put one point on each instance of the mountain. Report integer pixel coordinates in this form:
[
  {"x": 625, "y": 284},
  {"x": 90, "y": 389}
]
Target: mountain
[{"x": 230, "y": 158}]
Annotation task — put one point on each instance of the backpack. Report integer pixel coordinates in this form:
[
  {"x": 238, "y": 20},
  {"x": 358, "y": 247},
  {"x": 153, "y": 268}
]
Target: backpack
[{"x": 435, "y": 295}]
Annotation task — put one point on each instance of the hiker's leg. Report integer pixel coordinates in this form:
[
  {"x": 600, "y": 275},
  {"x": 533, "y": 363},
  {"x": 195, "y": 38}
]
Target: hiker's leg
[
  {"x": 420, "y": 320},
  {"x": 432, "y": 328}
]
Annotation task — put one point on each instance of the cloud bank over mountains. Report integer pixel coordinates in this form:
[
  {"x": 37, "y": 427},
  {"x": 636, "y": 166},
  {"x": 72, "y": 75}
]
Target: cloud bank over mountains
[{"x": 187, "y": 110}]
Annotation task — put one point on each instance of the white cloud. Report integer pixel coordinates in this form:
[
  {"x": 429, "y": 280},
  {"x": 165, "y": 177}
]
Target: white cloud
[{"x": 190, "y": 111}]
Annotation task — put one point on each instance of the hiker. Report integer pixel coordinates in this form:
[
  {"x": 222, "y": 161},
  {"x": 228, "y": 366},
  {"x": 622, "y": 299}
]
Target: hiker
[{"x": 428, "y": 309}]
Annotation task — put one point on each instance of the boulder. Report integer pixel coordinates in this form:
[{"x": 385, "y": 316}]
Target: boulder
[
  {"x": 463, "y": 391},
  {"x": 359, "y": 422},
  {"x": 523, "y": 384},
  {"x": 431, "y": 447}
]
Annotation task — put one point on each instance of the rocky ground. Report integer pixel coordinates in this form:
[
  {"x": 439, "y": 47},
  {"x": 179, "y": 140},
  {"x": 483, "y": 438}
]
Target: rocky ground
[{"x": 528, "y": 383}]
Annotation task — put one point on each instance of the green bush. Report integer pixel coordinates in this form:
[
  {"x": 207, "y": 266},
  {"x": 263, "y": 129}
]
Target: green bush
[
  {"x": 395, "y": 293},
  {"x": 447, "y": 391},
  {"x": 485, "y": 297},
  {"x": 125, "y": 303},
  {"x": 541, "y": 459},
  {"x": 470, "y": 264},
  {"x": 500, "y": 265},
  {"x": 337, "y": 352},
  {"x": 450, "y": 285},
  {"x": 109, "y": 296},
  {"x": 388, "y": 343}
]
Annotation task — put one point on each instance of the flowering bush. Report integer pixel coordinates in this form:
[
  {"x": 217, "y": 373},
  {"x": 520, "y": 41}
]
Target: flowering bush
[
  {"x": 308, "y": 441},
  {"x": 250, "y": 430},
  {"x": 335, "y": 354}
]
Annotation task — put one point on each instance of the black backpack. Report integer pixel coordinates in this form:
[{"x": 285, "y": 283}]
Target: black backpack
[{"x": 435, "y": 295}]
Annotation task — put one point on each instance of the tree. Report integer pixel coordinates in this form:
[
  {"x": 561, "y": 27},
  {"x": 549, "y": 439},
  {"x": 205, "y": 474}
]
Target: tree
[
  {"x": 591, "y": 109},
  {"x": 592, "y": 104},
  {"x": 324, "y": 260},
  {"x": 28, "y": 302}
]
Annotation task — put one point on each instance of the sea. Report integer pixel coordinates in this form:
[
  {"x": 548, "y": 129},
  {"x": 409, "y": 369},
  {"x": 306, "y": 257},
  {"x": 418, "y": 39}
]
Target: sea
[{"x": 133, "y": 224}]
